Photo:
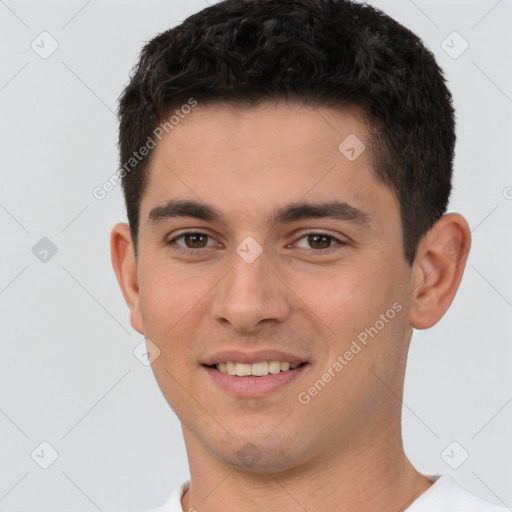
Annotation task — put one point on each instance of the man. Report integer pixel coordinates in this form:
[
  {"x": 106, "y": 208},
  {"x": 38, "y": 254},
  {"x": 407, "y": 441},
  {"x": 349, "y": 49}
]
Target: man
[{"x": 286, "y": 167}]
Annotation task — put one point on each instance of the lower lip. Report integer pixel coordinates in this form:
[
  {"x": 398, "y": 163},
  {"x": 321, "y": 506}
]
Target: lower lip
[{"x": 255, "y": 386}]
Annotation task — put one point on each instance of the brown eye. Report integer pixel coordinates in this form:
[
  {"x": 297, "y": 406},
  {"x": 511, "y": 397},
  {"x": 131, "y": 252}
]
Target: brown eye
[
  {"x": 191, "y": 240},
  {"x": 195, "y": 240},
  {"x": 319, "y": 241}
]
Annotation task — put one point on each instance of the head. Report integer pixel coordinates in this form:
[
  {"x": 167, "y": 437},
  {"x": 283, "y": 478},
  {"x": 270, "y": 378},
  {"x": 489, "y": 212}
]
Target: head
[
  {"x": 308, "y": 145},
  {"x": 318, "y": 53}
]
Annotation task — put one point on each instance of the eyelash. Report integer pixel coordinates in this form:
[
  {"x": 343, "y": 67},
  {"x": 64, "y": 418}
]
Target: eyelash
[{"x": 327, "y": 250}]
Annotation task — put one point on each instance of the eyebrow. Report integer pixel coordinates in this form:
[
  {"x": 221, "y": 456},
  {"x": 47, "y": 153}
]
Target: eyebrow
[{"x": 338, "y": 210}]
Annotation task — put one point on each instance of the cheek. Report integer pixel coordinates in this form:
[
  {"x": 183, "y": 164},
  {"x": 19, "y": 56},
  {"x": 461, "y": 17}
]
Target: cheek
[
  {"x": 166, "y": 295},
  {"x": 175, "y": 308},
  {"x": 169, "y": 305},
  {"x": 351, "y": 304},
  {"x": 346, "y": 299}
]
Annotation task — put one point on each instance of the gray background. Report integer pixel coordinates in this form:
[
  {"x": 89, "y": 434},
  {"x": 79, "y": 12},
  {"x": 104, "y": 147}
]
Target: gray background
[{"x": 68, "y": 373}]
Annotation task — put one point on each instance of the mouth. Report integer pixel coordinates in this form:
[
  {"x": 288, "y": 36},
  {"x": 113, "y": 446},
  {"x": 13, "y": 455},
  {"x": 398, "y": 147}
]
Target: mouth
[
  {"x": 254, "y": 380},
  {"x": 258, "y": 369}
]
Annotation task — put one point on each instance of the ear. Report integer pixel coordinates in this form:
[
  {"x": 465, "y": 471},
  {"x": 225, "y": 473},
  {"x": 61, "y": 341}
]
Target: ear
[
  {"x": 125, "y": 267},
  {"x": 438, "y": 269}
]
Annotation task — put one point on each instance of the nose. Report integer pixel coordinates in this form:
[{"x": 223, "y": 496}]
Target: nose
[{"x": 251, "y": 296}]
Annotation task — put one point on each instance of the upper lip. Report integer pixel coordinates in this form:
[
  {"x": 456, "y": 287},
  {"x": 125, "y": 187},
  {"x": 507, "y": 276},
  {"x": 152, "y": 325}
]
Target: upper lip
[{"x": 256, "y": 356}]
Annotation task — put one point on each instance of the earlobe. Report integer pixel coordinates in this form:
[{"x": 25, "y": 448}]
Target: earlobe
[
  {"x": 125, "y": 267},
  {"x": 438, "y": 269}
]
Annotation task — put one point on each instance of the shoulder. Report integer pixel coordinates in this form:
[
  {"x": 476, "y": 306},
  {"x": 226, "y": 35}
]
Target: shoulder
[
  {"x": 173, "y": 504},
  {"x": 446, "y": 495}
]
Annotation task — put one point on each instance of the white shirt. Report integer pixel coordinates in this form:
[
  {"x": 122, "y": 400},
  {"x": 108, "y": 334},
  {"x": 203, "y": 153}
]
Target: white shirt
[{"x": 445, "y": 495}]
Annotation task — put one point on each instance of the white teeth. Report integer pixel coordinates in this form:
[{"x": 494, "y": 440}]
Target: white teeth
[
  {"x": 259, "y": 369},
  {"x": 274, "y": 367},
  {"x": 242, "y": 369},
  {"x": 230, "y": 368}
]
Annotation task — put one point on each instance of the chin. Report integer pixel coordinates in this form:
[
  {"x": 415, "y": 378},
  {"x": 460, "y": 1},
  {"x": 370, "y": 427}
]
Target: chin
[
  {"x": 259, "y": 454},
  {"x": 263, "y": 465}
]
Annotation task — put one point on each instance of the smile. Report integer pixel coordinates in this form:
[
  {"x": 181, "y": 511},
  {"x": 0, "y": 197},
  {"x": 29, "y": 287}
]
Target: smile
[
  {"x": 254, "y": 380},
  {"x": 259, "y": 369}
]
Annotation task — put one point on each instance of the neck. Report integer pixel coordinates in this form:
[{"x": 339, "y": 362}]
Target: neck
[{"x": 373, "y": 476}]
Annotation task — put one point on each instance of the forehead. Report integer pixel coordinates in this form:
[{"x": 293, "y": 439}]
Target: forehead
[
  {"x": 244, "y": 160},
  {"x": 316, "y": 131}
]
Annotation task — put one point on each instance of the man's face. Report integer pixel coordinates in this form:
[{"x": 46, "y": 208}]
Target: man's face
[{"x": 264, "y": 277}]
